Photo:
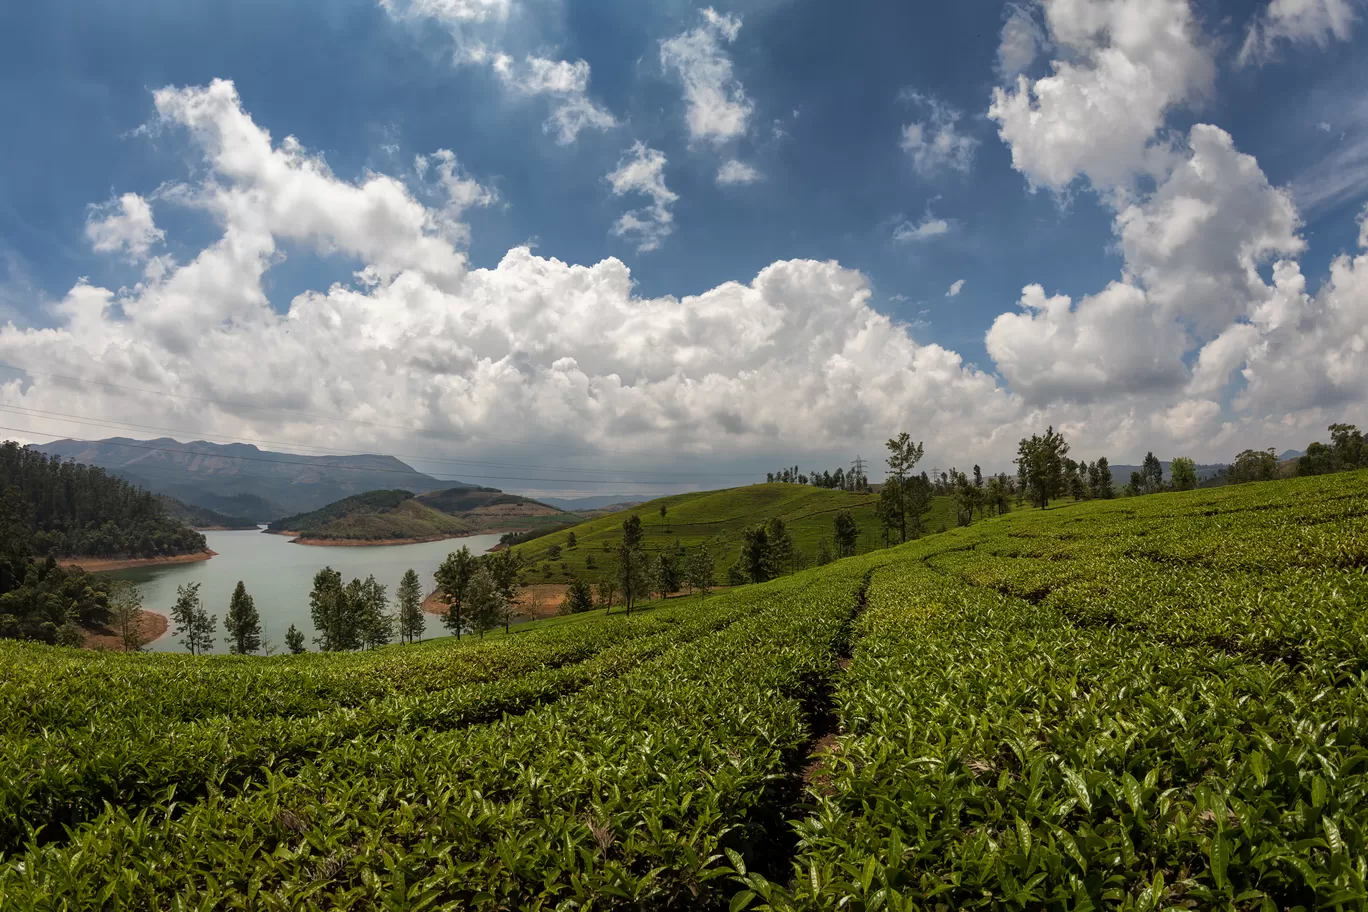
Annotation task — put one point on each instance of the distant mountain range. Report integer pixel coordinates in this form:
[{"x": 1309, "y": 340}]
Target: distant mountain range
[{"x": 242, "y": 481}]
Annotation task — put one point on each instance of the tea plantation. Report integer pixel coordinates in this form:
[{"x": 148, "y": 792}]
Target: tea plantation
[{"x": 1149, "y": 703}]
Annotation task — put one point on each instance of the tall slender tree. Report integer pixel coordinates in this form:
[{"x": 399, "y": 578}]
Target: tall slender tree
[
  {"x": 126, "y": 610},
  {"x": 333, "y": 614},
  {"x": 410, "y": 597},
  {"x": 845, "y": 533},
  {"x": 294, "y": 640},
  {"x": 1040, "y": 463},
  {"x": 756, "y": 555},
  {"x": 1105, "y": 489},
  {"x": 1152, "y": 474},
  {"x": 453, "y": 578},
  {"x": 242, "y": 623},
  {"x": 194, "y": 625},
  {"x": 903, "y": 456},
  {"x": 483, "y": 600},
  {"x": 633, "y": 572}
]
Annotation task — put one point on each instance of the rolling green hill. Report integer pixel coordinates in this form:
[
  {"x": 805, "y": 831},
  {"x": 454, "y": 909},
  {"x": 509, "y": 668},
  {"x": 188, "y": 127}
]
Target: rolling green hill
[
  {"x": 373, "y": 516},
  {"x": 717, "y": 519},
  {"x": 390, "y": 515},
  {"x": 492, "y": 510},
  {"x": 201, "y": 517}
]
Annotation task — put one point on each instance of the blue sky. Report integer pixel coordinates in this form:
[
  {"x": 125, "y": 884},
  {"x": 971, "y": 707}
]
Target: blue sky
[{"x": 828, "y": 94}]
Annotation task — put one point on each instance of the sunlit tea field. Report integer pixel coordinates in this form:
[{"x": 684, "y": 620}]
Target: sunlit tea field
[{"x": 1155, "y": 702}]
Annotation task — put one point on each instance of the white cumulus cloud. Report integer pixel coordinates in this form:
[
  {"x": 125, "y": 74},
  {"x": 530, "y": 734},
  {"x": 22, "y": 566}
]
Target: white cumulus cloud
[
  {"x": 124, "y": 225},
  {"x": 955, "y": 289},
  {"x": 1123, "y": 65},
  {"x": 422, "y": 347},
  {"x": 717, "y": 109}
]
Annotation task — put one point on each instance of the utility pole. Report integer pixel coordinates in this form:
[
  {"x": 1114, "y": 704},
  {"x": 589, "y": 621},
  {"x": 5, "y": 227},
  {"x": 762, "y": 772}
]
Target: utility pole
[{"x": 857, "y": 468}]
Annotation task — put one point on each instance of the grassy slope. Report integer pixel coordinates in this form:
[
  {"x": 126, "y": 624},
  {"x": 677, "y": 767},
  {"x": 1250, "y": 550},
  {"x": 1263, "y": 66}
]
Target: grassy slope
[{"x": 718, "y": 518}]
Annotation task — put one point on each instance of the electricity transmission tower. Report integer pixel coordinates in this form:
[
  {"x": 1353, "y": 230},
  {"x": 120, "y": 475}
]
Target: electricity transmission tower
[{"x": 857, "y": 468}]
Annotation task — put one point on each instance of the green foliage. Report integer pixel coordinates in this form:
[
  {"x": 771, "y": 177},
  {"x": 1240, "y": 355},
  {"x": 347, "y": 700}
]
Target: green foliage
[
  {"x": 410, "y": 599},
  {"x": 126, "y": 614},
  {"x": 700, "y": 574},
  {"x": 904, "y": 498},
  {"x": 483, "y": 601},
  {"x": 370, "y": 606},
  {"x": 1153, "y": 703},
  {"x": 1131, "y": 704},
  {"x": 294, "y": 640},
  {"x": 194, "y": 624},
  {"x": 453, "y": 578},
  {"x": 242, "y": 623},
  {"x": 1100, "y": 480},
  {"x": 756, "y": 556},
  {"x": 69, "y": 509},
  {"x": 1253, "y": 465},
  {"x": 1183, "y": 473},
  {"x": 478, "y": 767},
  {"x": 1152, "y": 475},
  {"x": 845, "y": 533},
  {"x": 199, "y": 517},
  {"x": 718, "y": 519},
  {"x": 1040, "y": 466},
  {"x": 50, "y": 508},
  {"x": 781, "y": 549},
  {"x": 579, "y": 598},
  {"x": 373, "y": 516}
]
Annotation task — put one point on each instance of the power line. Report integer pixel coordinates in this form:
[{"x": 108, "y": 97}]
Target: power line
[
  {"x": 301, "y": 414},
  {"x": 116, "y": 425},
  {"x": 326, "y": 465}
]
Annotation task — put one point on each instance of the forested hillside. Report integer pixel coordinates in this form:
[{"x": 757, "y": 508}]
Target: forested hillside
[
  {"x": 50, "y": 509},
  {"x": 73, "y": 509}
]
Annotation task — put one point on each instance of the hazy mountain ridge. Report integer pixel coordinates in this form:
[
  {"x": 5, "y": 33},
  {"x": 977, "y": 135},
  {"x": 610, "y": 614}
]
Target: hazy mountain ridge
[{"x": 241, "y": 480}]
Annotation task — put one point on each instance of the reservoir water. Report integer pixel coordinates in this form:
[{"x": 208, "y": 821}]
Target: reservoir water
[{"x": 279, "y": 576}]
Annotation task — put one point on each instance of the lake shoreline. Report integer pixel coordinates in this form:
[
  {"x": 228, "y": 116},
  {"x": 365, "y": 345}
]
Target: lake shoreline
[
  {"x": 377, "y": 542},
  {"x": 371, "y": 542},
  {"x": 549, "y": 595},
  {"x": 105, "y": 564},
  {"x": 154, "y": 626}
]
